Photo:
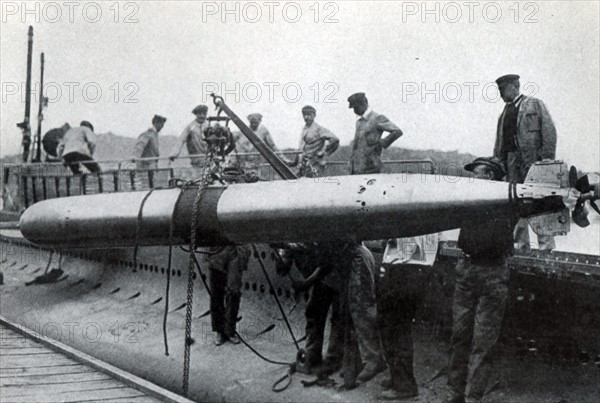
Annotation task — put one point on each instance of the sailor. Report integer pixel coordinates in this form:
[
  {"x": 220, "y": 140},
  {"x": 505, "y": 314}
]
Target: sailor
[
  {"x": 324, "y": 279},
  {"x": 366, "y": 158},
  {"x": 316, "y": 142},
  {"x": 368, "y": 142},
  {"x": 226, "y": 266},
  {"x": 52, "y": 139},
  {"x": 403, "y": 275},
  {"x": 525, "y": 134},
  {"x": 255, "y": 120},
  {"x": 345, "y": 283},
  {"x": 77, "y": 146},
  {"x": 192, "y": 137},
  {"x": 360, "y": 313},
  {"x": 480, "y": 294},
  {"x": 251, "y": 163},
  {"x": 147, "y": 144}
]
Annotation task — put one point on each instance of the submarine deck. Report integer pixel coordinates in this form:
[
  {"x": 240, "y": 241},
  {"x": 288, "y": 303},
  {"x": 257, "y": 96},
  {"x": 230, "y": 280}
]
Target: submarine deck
[{"x": 98, "y": 292}]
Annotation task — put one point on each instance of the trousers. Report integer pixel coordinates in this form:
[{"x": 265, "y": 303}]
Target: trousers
[
  {"x": 73, "y": 159},
  {"x": 479, "y": 301},
  {"x": 400, "y": 291},
  {"x": 225, "y": 279},
  {"x": 322, "y": 297}
]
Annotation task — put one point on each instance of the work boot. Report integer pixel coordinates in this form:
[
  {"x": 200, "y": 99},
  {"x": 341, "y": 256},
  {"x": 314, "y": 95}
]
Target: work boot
[
  {"x": 220, "y": 338},
  {"x": 331, "y": 365},
  {"x": 369, "y": 371},
  {"x": 387, "y": 383},
  {"x": 234, "y": 339},
  {"x": 392, "y": 394}
]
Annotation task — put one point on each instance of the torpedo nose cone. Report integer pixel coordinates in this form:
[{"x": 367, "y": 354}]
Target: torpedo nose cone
[{"x": 43, "y": 221}]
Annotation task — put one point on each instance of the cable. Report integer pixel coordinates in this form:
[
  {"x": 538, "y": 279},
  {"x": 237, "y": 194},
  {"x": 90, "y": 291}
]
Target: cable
[
  {"x": 137, "y": 227},
  {"x": 272, "y": 290},
  {"x": 237, "y": 334}
]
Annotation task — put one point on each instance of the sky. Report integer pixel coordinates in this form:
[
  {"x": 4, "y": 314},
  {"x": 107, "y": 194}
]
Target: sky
[{"x": 428, "y": 66}]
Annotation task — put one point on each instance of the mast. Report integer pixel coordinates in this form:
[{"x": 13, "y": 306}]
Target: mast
[
  {"x": 25, "y": 125},
  {"x": 38, "y": 138}
]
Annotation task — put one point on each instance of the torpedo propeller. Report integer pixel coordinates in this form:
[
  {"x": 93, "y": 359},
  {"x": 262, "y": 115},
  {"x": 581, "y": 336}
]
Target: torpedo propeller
[{"x": 588, "y": 192}]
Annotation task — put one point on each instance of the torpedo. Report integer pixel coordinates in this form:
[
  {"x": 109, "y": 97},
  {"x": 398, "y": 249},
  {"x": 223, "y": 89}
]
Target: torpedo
[{"x": 345, "y": 208}]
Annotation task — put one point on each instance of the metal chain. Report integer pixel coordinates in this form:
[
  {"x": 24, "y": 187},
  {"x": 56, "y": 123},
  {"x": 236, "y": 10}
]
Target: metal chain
[{"x": 190, "y": 285}]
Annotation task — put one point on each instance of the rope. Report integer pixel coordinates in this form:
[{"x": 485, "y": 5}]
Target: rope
[
  {"x": 137, "y": 228},
  {"x": 201, "y": 274},
  {"x": 275, "y": 388},
  {"x": 135, "y": 254},
  {"x": 203, "y": 182},
  {"x": 49, "y": 262}
]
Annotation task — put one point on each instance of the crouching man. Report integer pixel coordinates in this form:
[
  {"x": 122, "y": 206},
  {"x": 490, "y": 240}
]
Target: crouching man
[
  {"x": 348, "y": 287},
  {"x": 323, "y": 279}
]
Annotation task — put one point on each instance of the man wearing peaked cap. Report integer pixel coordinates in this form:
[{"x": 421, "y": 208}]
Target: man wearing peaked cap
[
  {"x": 192, "y": 137},
  {"x": 200, "y": 109},
  {"x": 255, "y": 120},
  {"x": 368, "y": 142},
  {"x": 525, "y": 134},
  {"x": 256, "y": 117},
  {"x": 316, "y": 142},
  {"x": 507, "y": 79},
  {"x": 365, "y": 158},
  {"x": 309, "y": 109},
  {"x": 356, "y": 98},
  {"x": 158, "y": 118},
  {"x": 147, "y": 144},
  {"x": 492, "y": 163},
  {"x": 480, "y": 295},
  {"x": 243, "y": 145}
]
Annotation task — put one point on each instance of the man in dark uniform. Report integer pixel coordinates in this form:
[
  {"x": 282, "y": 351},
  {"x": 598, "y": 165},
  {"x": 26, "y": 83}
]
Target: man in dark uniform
[
  {"x": 225, "y": 268},
  {"x": 324, "y": 293},
  {"x": 480, "y": 294},
  {"x": 525, "y": 134},
  {"x": 347, "y": 286}
]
